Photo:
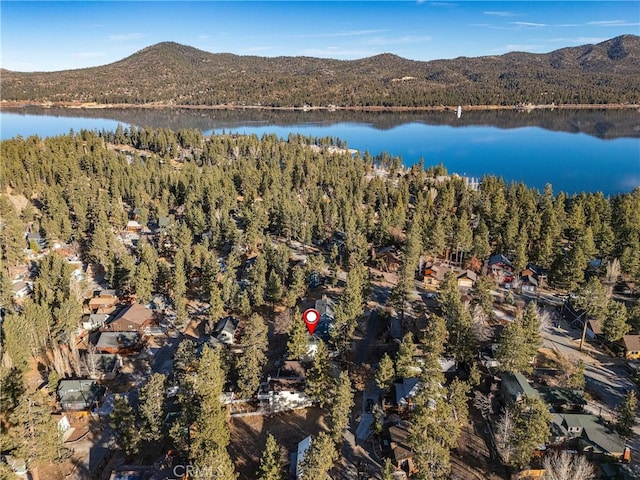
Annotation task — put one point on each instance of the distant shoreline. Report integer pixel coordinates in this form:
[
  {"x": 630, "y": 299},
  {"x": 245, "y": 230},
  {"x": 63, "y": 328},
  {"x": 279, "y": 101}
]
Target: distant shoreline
[{"x": 4, "y": 104}]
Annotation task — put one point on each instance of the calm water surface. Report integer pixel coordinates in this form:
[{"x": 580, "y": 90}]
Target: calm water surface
[{"x": 577, "y": 151}]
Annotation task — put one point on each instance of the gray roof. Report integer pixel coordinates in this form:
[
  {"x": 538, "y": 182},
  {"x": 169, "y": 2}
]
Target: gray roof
[
  {"x": 78, "y": 394},
  {"x": 325, "y": 306},
  {"x": 117, "y": 339}
]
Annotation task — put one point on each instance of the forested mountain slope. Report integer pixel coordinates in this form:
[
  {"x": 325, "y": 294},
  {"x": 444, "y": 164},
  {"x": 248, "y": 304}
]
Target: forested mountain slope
[{"x": 169, "y": 73}]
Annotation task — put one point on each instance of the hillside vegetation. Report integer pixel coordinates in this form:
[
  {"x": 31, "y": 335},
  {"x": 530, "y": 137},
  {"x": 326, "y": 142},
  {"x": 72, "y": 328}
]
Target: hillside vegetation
[{"x": 174, "y": 74}]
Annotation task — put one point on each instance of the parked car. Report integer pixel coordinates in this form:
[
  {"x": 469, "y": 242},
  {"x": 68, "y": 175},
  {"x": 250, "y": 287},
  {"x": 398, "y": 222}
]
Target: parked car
[{"x": 369, "y": 406}]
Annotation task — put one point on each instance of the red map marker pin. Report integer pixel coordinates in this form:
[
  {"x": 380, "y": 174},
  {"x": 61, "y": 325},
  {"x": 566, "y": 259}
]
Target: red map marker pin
[{"x": 311, "y": 317}]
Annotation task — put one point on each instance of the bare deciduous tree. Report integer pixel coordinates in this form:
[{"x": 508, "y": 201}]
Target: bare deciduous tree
[
  {"x": 480, "y": 327},
  {"x": 613, "y": 271},
  {"x": 503, "y": 432},
  {"x": 483, "y": 402},
  {"x": 567, "y": 466}
]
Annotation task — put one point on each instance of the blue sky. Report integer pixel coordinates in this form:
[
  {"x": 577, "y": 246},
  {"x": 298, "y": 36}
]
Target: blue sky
[{"x": 45, "y": 36}]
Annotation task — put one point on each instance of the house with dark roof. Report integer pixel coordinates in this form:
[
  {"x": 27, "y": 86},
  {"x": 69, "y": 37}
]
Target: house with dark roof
[
  {"x": 225, "y": 330},
  {"x": 586, "y": 433},
  {"x": 514, "y": 387},
  {"x": 123, "y": 343},
  {"x": 102, "y": 366},
  {"x": 326, "y": 307},
  {"x": 500, "y": 261},
  {"x": 80, "y": 394},
  {"x": 563, "y": 400},
  {"x": 395, "y": 446}
]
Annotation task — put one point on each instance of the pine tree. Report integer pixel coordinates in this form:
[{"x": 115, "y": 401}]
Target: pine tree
[
  {"x": 388, "y": 469},
  {"x": 123, "y": 420},
  {"x": 385, "y": 373},
  {"x": 274, "y": 288},
  {"x": 151, "y": 408},
  {"x": 513, "y": 352},
  {"x": 532, "y": 329},
  {"x": 614, "y": 325},
  {"x": 210, "y": 436},
  {"x": 319, "y": 458},
  {"x": 319, "y": 376},
  {"x": 297, "y": 345},
  {"x": 251, "y": 364},
  {"x": 341, "y": 405},
  {"x": 405, "y": 364},
  {"x": 271, "y": 467},
  {"x": 531, "y": 419},
  {"x": 34, "y": 429},
  {"x": 627, "y": 414},
  {"x": 143, "y": 284}
]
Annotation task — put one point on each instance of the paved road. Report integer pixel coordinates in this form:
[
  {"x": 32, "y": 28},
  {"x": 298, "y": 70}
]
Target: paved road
[{"x": 364, "y": 346}]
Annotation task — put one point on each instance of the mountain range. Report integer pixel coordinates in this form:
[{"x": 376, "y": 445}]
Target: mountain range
[{"x": 172, "y": 74}]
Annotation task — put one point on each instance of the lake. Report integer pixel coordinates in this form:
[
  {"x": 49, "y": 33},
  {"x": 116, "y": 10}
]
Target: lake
[{"x": 574, "y": 150}]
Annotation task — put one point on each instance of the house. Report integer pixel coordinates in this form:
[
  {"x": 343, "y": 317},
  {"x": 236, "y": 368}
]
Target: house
[
  {"x": 133, "y": 318},
  {"x": 594, "y": 329},
  {"x": 94, "y": 321},
  {"x": 398, "y": 449},
  {"x": 122, "y": 343},
  {"x": 80, "y": 394},
  {"x": 103, "y": 301},
  {"x": 22, "y": 289},
  {"x": 102, "y": 366},
  {"x": 529, "y": 283},
  {"x": 225, "y": 330},
  {"x": 466, "y": 279},
  {"x": 18, "y": 466},
  {"x": 133, "y": 226},
  {"x": 299, "y": 455},
  {"x": 405, "y": 391},
  {"x": 326, "y": 307},
  {"x": 434, "y": 274},
  {"x": 387, "y": 259},
  {"x": 563, "y": 400},
  {"x": 585, "y": 433},
  {"x": 500, "y": 262},
  {"x": 163, "y": 222},
  {"x": 631, "y": 346},
  {"x": 18, "y": 272},
  {"x": 514, "y": 387},
  {"x": 35, "y": 241}
]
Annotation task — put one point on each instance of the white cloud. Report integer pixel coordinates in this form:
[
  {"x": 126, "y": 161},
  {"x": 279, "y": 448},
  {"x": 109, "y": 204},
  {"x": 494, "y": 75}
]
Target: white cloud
[
  {"x": 613, "y": 23},
  {"x": 126, "y": 36},
  {"x": 578, "y": 40},
  {"x": 501, "y": 13},
  {"x": 529, "y": 24}
]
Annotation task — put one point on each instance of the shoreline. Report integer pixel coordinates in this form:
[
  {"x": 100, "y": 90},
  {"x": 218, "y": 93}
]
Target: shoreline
[{"x": 4, "y": 104}]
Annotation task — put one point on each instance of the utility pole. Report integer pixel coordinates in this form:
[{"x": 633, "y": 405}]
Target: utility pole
[{"x": 584, "y": 330}]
